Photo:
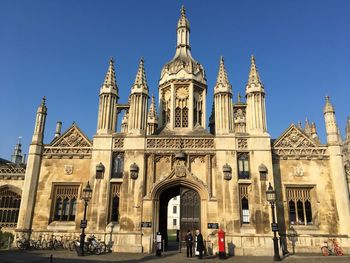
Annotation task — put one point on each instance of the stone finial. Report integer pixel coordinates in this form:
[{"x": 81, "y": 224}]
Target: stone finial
[
  {"x": 307, "y": 128},
  {"x": 222, "y": 83},
  {"x": 239, "y": 97},
  {"x": 110, "y": 79},
  {"x": 313, "y": 129},
  {"x": 42, "y": 107},
  {"x": 183, "y": 10},
  {"x": 152, "y": 113},
  {"x": 254, "y": 77},
  {"x": 328, "y": 107},
  {"x": 299, "y": 125},
  {"x": 43, "y": 102},
  {"x": 140, "y": 84},
  {"x": 140, "y": 78},
  {"x": 183, "y": 21}
]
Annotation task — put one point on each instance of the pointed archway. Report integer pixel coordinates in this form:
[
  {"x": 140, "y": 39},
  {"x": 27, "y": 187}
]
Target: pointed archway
[{"x": 189, "y": 216}]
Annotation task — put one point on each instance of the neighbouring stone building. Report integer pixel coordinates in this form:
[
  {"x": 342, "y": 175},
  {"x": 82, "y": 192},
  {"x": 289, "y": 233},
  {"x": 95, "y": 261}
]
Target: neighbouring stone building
[
  {"x": 221, "y": 175},
  {"x": 11, "y": 184}
]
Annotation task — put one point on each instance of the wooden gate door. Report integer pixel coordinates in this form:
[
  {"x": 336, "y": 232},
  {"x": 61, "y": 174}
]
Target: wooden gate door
[{"x": 189, "y": 212}]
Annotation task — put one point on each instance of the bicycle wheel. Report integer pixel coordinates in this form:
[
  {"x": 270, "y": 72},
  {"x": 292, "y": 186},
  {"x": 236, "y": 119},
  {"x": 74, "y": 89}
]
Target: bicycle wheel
[
  {"x": 19, "y": 245},
  {"x": 325, "y": 251},
  {"x": 71, "y": 245},
  {"x": 44, "y": 244},
  {"x": 97, "y": 251},
  {"x": 338, "y": 251},
  {"x": 103, "y": 247}
]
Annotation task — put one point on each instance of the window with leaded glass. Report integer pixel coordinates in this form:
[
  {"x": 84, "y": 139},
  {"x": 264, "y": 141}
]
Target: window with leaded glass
[
  {"x": 243, "y": 193},
  {"x": 9, "y": 207},
  {"x": 118, "y": 165},
  {"x": 177, "y": 117},
  {"x": 185, "y": 117},
  {"x": 299, "y": 205},
  {"x": 181, "y": 117},
  {"x": 64, "y": 202},
  {"x": 114, "y": 203},
  {"x": 243, "y": 165}
]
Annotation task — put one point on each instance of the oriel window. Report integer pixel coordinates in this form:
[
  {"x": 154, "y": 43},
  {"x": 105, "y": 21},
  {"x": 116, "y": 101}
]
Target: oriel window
[
  {"x": 243, "y": 165},
  {"x": 299, "y": 205},
  {"x": 64, "y": 202}
]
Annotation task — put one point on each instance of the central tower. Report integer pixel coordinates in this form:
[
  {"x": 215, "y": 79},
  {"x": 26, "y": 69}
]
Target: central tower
[{"x": 182, "y": 86}]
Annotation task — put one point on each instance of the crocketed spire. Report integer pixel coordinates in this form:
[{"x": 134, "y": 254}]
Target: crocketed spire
[
  {"x": 183, "y": 21},
  {"x": 222, "y": 83},
  {"x": 254, "y": 77},
  {"x": 140, "y": 84},
  {"x": 110, "y": 80},
  {"x": 328, "y": 107},
  {"x": 307, "y": 128},
  {"x": 152, "y": 113}
]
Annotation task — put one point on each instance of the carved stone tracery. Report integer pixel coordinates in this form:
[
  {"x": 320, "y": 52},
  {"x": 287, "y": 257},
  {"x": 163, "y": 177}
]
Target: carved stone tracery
[
  {"x": 193, "y": 143},
  {"x": 242, "y": 143},
  {"x": 295, "y": 144},
  {"x": 71, "y": 143},
  {"x": 118, "y": 142}
]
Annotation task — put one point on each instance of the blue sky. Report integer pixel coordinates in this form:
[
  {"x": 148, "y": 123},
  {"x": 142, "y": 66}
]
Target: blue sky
[{"x": 60, "y": 49}]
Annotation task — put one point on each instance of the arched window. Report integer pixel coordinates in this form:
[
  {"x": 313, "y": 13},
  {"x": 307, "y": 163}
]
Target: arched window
[
  {"x": 177, "y": 117},
  {"x": 243, "y": 193},
  {"x": 114, "y": 202},
  {"x": 118, "y": 165},
  {"x": 9, "y": 207},
  {"x": 299, "y": 204},
  {"x": 65, "y": 202},
  {"x": 243, "y": 165},
  {"x": 185, "y": 117}
]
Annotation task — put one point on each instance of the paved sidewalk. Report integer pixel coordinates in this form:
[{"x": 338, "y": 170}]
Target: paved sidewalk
[{"x": 62, "y": 256}]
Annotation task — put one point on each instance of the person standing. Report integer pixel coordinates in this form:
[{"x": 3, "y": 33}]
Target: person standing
[
  {"x": 189, "y": 243},
  {"x": 200, "y": 243}
]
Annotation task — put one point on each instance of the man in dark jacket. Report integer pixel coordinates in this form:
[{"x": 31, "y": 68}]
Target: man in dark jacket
[
  {"x": 189, "y": 243},
  {"x": 200, "y": 243}
]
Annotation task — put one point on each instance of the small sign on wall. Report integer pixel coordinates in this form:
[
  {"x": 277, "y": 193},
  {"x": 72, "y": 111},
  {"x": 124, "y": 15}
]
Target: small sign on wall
[
  {"x": 213, "y": 225},
  {"x": 146, "y": 224}
]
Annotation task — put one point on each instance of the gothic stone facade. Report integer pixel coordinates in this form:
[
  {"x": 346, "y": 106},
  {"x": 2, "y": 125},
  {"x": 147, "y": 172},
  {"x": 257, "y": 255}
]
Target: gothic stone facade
[{"x": 222, "y": 175}]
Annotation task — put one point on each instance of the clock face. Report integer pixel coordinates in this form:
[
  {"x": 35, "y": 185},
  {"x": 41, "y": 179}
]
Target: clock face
[{"x": 182, "y": 93}]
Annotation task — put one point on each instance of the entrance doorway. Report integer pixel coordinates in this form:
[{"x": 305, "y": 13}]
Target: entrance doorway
[{"x": 189, "y": 217}]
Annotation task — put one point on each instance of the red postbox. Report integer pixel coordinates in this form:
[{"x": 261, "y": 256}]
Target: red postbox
[{"x": 221, "y": 240}]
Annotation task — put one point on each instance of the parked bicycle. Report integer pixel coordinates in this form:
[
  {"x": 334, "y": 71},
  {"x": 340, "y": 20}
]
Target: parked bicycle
[
  {"x": 332, "y": 248},
  {"x": 22, "y": 243},
  {"x": 54, "y": 243},
  {"x": 94, "y": 246}
]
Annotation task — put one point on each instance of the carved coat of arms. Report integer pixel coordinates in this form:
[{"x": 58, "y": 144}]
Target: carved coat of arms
[{"x": 68, "y": 169}]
